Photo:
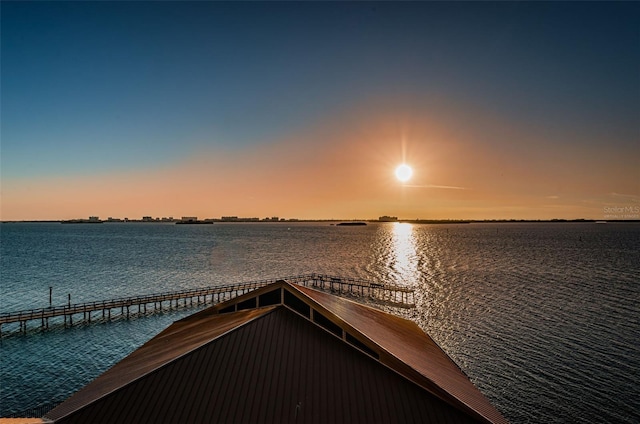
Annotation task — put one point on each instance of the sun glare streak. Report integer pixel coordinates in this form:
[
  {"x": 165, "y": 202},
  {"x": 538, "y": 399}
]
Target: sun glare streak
[{"x": 445, "y": 187}]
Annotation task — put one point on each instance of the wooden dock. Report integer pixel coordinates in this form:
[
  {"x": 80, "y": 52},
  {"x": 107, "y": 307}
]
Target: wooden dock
[{"x": 396, "y": 296}]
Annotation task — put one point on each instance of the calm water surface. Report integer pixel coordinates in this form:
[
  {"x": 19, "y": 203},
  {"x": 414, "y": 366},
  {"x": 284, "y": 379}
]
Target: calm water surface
[{"x": 543, "y": 318}]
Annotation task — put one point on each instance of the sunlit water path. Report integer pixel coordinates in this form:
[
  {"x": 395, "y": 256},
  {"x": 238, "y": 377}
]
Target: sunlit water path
[{"x": 544, "y": 318}]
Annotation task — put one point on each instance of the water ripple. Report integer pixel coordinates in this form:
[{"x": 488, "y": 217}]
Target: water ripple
[{"x": 543, "y": 318}]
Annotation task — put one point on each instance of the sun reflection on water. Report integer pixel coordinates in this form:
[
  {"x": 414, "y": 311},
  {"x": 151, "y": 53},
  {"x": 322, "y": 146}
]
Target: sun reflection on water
[{"x": 404, "y": 253}]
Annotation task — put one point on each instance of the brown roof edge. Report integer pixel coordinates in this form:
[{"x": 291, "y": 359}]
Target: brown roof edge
[
  {"x": 408, "y": 359},
  {"x": 138, "y": 364}
]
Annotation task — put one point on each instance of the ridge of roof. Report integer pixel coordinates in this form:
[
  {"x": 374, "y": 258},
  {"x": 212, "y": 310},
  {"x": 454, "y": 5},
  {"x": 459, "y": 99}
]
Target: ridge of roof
[
  {"x": 402, "y": 347},
  {"x": 279, "y": 368}
]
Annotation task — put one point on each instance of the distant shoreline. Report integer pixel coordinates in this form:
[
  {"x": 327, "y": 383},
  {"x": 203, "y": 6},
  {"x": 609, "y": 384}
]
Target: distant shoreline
[{"x": 407, "y": 221}]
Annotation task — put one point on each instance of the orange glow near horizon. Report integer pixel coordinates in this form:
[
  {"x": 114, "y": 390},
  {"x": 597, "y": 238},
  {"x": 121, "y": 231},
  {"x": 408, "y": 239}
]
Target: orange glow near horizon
[{"x": 341, "y": 171}]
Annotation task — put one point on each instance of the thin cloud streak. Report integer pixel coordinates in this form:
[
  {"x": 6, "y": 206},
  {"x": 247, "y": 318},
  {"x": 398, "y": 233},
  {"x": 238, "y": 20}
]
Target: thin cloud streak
[
  {"x": 630, "y": 197},
  {"x": 436, "y": 186}
]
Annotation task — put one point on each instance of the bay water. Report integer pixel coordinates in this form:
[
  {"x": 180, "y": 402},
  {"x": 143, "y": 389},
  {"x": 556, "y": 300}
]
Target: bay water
[{"x": 544, "y": 318}]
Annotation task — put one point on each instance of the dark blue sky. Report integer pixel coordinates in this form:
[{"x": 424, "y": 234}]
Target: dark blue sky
[{"x": 111, "y": 86}]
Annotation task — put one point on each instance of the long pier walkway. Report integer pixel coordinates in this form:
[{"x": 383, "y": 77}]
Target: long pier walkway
[{"x": 397, "y": 296}]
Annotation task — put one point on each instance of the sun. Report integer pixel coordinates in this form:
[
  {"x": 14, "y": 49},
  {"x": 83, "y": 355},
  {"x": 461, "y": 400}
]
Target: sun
[{"x": 404, "y": 172}]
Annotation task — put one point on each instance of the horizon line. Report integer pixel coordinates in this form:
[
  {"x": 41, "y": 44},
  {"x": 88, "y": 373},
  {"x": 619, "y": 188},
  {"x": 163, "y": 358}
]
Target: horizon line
[{"x": 294, "y": 220}]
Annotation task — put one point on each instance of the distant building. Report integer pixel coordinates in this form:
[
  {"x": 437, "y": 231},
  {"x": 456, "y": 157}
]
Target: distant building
[
  {"x": 189, "y": 219},
  {"x": 147, "y": 219},
  {"x": 94, "y": 219},
  {"x": 387, "y": 218},
  {"x": 229, "y": 218}
]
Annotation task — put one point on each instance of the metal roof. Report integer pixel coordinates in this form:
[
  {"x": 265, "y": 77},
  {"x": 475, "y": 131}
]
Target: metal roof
[
  {"x": 408, "y": 350},
  {"x": 179, "y": 339},
  {"x": 280, "y": 354}
]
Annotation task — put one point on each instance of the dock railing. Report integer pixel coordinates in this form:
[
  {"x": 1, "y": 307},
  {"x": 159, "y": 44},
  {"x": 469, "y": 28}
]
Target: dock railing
[{"x": 392, "y": 295}]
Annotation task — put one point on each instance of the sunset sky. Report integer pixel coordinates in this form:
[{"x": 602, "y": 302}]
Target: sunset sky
[{"x": 303, "y": 110}]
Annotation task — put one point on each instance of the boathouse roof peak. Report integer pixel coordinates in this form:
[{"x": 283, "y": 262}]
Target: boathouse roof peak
[{"x": 283, "y": 353}]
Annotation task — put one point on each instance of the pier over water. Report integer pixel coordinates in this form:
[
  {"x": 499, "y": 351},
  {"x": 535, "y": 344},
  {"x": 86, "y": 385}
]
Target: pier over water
[{"x": 396, "y": 296}]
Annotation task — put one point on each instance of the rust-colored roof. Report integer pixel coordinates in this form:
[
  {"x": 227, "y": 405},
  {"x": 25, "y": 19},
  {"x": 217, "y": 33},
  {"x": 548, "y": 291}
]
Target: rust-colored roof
[
  {"x": 307, "y": 357},
  {"x": 177, "y": 340},
  {"x": 409, "y": 349}
]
